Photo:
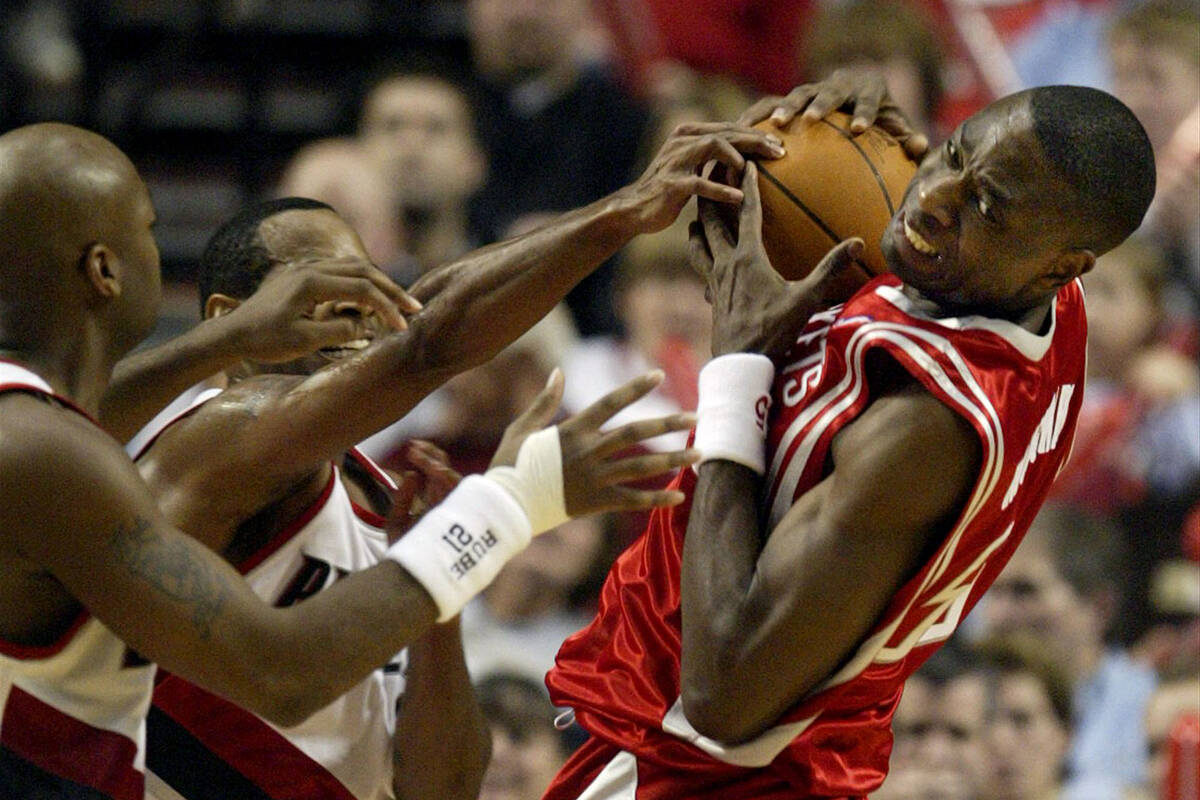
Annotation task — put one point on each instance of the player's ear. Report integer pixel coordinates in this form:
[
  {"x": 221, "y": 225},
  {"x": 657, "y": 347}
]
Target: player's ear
[
  {"x": 102, "y": 269},
  {"x": 219, "y": 304},
  {"x": 1068, "y": 266}
]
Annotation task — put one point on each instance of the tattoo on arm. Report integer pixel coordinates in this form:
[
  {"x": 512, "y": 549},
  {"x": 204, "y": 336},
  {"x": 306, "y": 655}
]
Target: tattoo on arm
[{"x": 168, "y": 567}]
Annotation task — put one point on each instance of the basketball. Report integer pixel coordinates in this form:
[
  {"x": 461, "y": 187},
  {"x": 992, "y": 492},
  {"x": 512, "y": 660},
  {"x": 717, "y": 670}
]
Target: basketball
[{"x": 830, "y": 186}]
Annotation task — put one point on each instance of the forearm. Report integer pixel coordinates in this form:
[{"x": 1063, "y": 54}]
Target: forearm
[
  {"x": 500, "y": 291},
  {"x": 720, "y": 555},
  {"x": 332, "y": 640},
  {"x": 145, "y": 382},
  {"x": 441, "y": 746},
  {"x": 285, "y": 664}
]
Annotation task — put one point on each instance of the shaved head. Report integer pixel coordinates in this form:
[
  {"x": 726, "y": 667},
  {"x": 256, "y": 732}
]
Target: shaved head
[
  {"x": 58, "y": 186},
  {"x": 73, "y": 214}
]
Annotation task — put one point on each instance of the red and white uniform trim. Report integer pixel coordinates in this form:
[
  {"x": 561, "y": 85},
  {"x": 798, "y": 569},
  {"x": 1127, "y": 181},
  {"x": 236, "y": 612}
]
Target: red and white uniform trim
[
  {"x": 1020, "y": 391},
  {"x": 343, "y": 751},
  {"x": 72, "y": 713}
]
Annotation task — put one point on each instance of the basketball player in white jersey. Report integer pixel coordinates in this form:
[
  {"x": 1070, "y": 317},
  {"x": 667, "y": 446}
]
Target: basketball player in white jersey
[{"x": 295, "y": 524}]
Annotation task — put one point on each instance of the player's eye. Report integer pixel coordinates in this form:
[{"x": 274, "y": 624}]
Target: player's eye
[
  {"x": 985, "y": 208},
  {"x": 953, "y": 155}
]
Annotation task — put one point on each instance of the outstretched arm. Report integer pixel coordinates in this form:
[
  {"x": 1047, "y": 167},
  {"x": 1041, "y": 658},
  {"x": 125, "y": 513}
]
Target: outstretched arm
[
  {"x": 768, "y": 614},
  {"x": 177, "y": 602},
  {"x": 274, "y": 325},
  {"x": 273, "y": 431},
  {"x": 504, "y": 289}
]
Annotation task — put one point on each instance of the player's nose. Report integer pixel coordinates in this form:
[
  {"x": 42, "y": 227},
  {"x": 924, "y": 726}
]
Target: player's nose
[{"x": 936, "y": 196}]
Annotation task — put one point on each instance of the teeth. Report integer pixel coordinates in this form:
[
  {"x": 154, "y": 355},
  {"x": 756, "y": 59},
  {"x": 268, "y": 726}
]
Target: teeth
[
  {"x": 353, "y": 344},
  {"x": 918, "y": 241}
]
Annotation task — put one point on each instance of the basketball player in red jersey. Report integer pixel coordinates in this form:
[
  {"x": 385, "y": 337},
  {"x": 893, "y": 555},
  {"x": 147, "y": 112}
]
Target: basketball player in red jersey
[
  {"x": 91, "y": 572},
  {"x": 754, "y": 643}
]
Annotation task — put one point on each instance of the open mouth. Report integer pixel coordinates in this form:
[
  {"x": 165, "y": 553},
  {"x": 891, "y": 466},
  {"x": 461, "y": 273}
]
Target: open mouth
[
  {"x": 345, "y": 348},
  {"x": 919, "y": 242}
]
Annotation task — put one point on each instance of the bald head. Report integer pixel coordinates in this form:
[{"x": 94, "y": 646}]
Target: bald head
[
  {"x": 59, "y": 189},
  {"x": 69, "y": 199}
]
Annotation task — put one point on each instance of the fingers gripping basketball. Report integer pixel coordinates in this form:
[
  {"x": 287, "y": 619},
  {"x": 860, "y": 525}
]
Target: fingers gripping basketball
[{"x": 831, "y": 185}]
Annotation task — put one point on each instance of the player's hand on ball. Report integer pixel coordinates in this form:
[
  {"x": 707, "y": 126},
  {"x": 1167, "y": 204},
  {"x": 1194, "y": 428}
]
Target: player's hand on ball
[
  {"x": 861, "y": 92},
  {"x": 593, "y": 467},
  {"x": 754, "y": 309},
  {"x": 280, "y": 321},
  {"x": 675, "y": 174}
]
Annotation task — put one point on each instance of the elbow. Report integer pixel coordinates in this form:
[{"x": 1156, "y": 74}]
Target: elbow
[
  {"x": 716, "y": 713},
  {"x": 433, "y": 348},
  {"x": 460, "y": 777},
  {"x": 284, "y": 701},
  {"x": 288, "y": 711}
]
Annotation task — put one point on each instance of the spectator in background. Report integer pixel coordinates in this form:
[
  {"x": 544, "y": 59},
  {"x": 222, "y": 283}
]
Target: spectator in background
[
  {"x": 1173, "y": 702},
  {"x": 417, "y": 128},
  {"x": 541, "y": 597},
  {"x": 338, "y": 172},
  {"x": 939, "y": 730},
  {"x": 1060, "y": 589},
  {"x": 659, "y": 300},
  {"x": 1139, "y": 427},
  {"x": 1171, "y": 643},
  {"x": 558, "y": 133},
  {"x": 1137, "y": 447},
  {"x": 1029, "y": 728},
  {"x": 891, "y": 37},
  {"x": 526, "y": 747},
  {"x": 1155, "y": 56},
  {"x": 749, "y": 41},
  {"x": 675, "y": 93}
]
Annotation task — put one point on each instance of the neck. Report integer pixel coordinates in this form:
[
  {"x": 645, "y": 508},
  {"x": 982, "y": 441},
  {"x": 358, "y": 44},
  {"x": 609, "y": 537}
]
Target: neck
[
  {"x": 77, "y": 366},
  {"x": 1033, "y": 319},
  {"x": 1082, "y": 661}
]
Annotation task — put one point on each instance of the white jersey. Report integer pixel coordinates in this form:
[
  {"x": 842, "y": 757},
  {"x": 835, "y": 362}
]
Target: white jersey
[
  {"x": 201, "y": 746},
  {"x": 72, "y": 713}
]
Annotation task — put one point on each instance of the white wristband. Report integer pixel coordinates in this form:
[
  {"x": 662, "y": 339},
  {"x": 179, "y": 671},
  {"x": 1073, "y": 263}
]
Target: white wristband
[
  {"x": 537, "y": 480},
  {"x": 734, "y": 398},
  {"x": 458, "y": 546}
]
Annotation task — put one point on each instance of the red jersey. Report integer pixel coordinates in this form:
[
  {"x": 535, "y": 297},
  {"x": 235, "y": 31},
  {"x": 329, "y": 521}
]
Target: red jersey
[{"x": 1020, "y": 392}]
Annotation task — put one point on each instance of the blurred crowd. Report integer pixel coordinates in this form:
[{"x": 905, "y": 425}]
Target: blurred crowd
[{"x": 438, "y": 127}]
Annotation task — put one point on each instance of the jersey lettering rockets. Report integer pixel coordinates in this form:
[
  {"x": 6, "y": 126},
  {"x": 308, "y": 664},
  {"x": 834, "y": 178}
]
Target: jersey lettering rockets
[{"x": 1020, "y": 392}]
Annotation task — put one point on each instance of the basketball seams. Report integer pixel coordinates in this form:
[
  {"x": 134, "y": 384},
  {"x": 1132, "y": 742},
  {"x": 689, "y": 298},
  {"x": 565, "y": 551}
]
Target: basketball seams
[
  {"x": 821, "y": 193},
  {"x": 808, "y": 212},
  {"x": 887, "y": 198}
]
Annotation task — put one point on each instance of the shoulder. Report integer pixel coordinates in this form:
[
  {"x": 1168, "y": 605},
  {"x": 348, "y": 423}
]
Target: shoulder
[
  {"x": 903, "y": 413},
  {"x": 226, "y": 412},
  {"x": 59, "y": 469},
  {"x": 39, "y": 435}
]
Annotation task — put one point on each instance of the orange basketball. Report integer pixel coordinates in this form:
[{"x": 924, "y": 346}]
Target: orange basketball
[{"x": 830, "y": 186}]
